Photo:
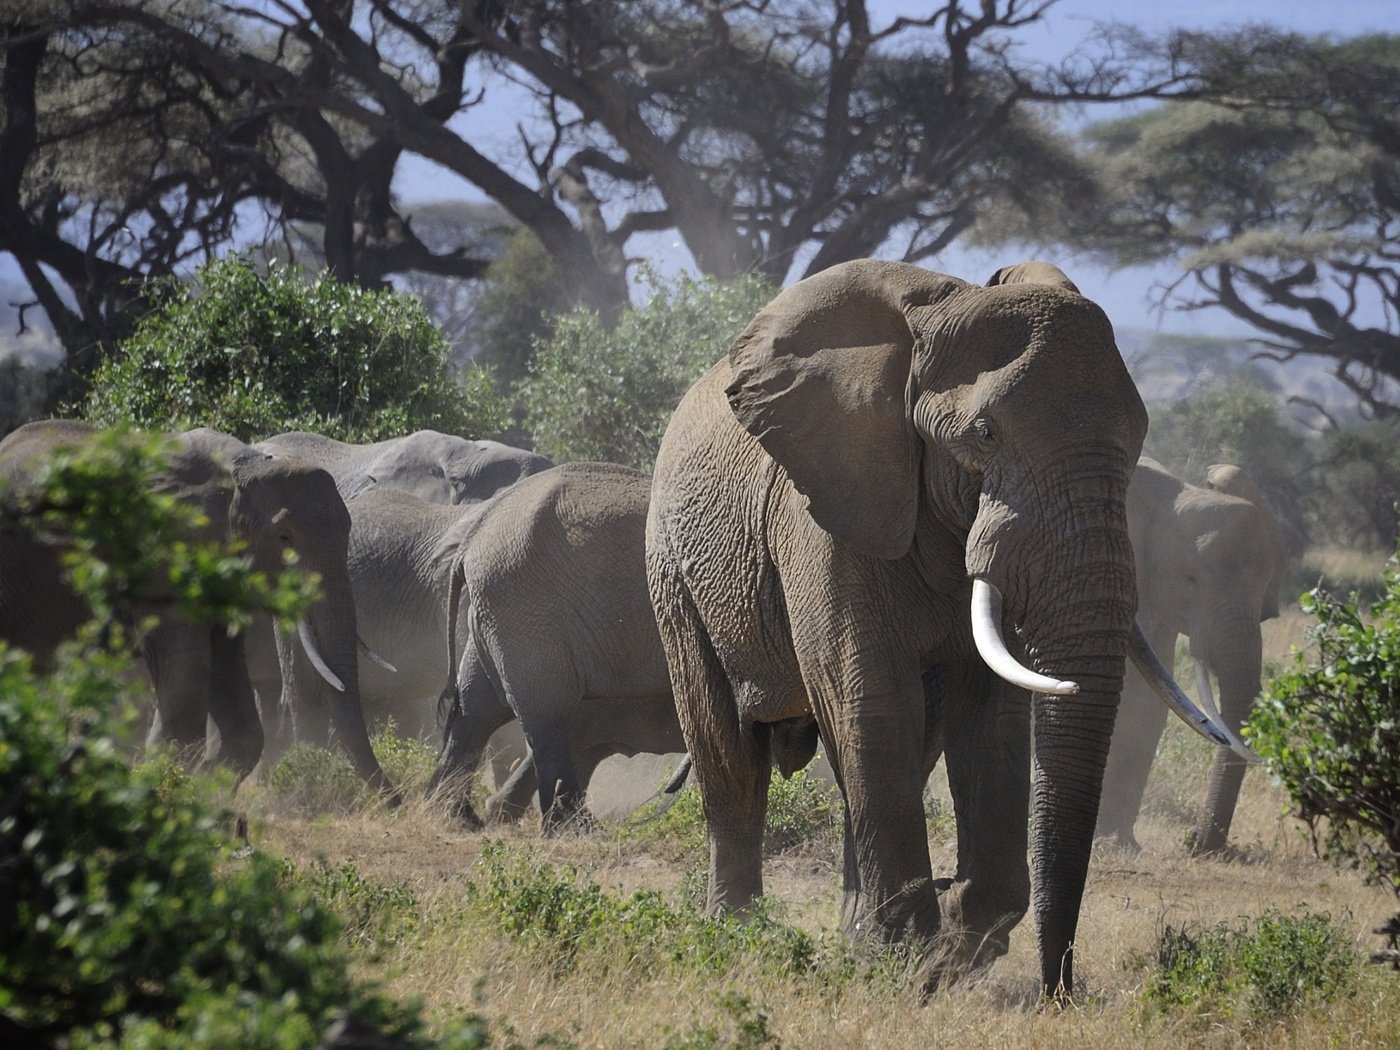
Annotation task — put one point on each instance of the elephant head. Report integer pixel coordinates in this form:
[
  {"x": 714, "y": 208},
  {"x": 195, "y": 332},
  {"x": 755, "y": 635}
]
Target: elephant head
[
  {"x": 966, "y": 449},
  {"x": 290, "y": 514},
  {"x": 444, "y": 468}
]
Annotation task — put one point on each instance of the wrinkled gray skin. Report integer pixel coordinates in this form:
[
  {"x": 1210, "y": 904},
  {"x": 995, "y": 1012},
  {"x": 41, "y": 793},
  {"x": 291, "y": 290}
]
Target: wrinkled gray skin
[
  {"x": 1209, "y": 566},
  {"x": 275, "y": 504},
  {"x": 437, "y": 468},
  {"x": 878, "y": 437},
  {"x": 551, "y": 585}
]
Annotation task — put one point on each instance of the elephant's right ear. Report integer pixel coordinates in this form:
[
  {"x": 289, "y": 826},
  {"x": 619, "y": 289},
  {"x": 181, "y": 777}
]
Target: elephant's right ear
[{"x": 821, "y": 378}]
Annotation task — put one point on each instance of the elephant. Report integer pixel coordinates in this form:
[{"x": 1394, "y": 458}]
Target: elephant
[
  {"x": 1209, "y": 566},
  {"x": 550, "y": 580},
  {"x": 882, "y": 450},
  {"x": 437, "y": 468},
  {"x": 279, "y": 506}
]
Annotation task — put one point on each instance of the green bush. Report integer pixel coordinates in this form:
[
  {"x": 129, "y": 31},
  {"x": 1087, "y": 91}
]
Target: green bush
[
  {"x": 600, "y": 394},
  {"x": 1280, "y": 964},
  {"x": 370, "y": 912},
  {"x": 1329, "y": 731},
  {"x": 125, "y": 916},
  {"x": 255, "y": 354}
]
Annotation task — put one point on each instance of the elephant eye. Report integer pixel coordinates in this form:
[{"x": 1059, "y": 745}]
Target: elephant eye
[{"x": 986, "y": 433}]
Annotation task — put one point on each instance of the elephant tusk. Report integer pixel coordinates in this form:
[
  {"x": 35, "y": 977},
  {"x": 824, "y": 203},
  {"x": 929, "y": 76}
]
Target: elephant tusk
[
  {"x": 375, "y": 657},
  {"x": 1178, "y": 702},
  {"x": 309, "y": 644},
  {"x": 986, "y": 632},
  {"x": 1203, "y": 690}
]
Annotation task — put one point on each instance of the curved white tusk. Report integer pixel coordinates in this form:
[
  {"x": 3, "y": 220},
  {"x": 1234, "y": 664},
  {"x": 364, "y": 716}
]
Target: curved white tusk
[
  {"x": 376, "y": 658},
  {"x": 1178, "y": 702},
  {"x": 1203, "y": 690},
  {"x": 986, "y": 632},
  {"x": 309, "y": 644}
]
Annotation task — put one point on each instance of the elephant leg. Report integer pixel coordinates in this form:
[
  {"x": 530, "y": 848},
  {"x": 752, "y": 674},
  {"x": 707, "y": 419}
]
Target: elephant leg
[
  {"x": 729, "y": 760},
  {"x": 265, "y": 676},
  {"x": 513, "y": 800},
  {"x": 1239, "y": 685},
  {"x": 987, "y": 737},
  {"x": 889, "y": 892},
  {"x": 238, "y": 738},
  {"x": 1137, "y": 731},
  {"x": 477, "y": 710},
  {"x": 561, "y": 794},
  {"x": 178, "y": 658},
  {"x": 516, "y": 794}
]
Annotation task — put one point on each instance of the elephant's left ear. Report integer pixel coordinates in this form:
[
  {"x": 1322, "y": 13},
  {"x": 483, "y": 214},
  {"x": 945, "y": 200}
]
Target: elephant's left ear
[
  {"x": 821, "y": 378},
  {"x": 1033, "y": 271}
]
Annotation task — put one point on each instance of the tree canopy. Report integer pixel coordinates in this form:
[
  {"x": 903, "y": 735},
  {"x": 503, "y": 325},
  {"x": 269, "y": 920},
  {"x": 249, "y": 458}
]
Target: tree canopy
[
  {"x": 1276, "y": 190},
  {"x": 776, "y": 137}
]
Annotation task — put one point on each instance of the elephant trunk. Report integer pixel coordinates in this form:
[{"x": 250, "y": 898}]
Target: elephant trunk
[
  {"x": 1074, "y": 599},
  {"x": 1239, "y": 674},
  {"x": 329, "y": 635}
]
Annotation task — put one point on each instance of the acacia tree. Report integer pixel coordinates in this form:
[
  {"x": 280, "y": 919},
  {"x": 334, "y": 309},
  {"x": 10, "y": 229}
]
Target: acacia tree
[
  {"x": 1276, "y": 190},
  {"x": 775, "y": 136}
]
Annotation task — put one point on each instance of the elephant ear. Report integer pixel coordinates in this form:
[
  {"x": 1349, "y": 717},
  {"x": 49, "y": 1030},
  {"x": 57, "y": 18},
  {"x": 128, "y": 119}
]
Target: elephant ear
[
  {"x": 821, "y": 378},
  {"x": 1033, "y": 271}
]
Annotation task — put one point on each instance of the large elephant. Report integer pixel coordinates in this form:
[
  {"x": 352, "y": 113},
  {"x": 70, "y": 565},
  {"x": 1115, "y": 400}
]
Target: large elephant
[
  {"x": 278, "y": 506},
  {"x": 551, "y": 583},
  {"x": 1209, "y": 566},
  {"x": 882, "y": 450},
  {"x": 437, "y": 468}
]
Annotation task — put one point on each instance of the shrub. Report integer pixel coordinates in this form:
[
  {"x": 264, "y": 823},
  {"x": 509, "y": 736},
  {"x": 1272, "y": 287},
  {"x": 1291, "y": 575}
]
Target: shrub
[
  {"x": 600, "y": 394},
  {"x": 125, "y": 916},
  {"x": 1329, "y": 730},
  {"x": 370, "y": 912},
  {"x": 1269, "y": 970},
  {"x": 123, "y": 913},
  {"x": 257, "y": 353}
]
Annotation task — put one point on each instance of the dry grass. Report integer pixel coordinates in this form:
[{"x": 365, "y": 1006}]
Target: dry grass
[{"x": 455, "y": 961}]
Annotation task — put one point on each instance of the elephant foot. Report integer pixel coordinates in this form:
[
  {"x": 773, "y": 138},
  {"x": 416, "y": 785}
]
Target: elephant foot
[
  {"x": 504, "y": 810},
  {"x": 975, "y": 932},
  {"x": 910, "y": 915},
  {"x": 572, "y": 821},
  {"x": 456, "y": 806},
  {"x": 1201, "y": 844}
]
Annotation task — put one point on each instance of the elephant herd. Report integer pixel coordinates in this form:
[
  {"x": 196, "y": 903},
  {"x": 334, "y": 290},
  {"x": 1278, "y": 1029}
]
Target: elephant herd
[{"x": 905, "y": 518}]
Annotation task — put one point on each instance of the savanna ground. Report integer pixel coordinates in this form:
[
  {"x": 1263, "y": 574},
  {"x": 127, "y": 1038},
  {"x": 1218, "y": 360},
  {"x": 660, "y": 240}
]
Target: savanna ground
[{"x": 519, "y": 928}]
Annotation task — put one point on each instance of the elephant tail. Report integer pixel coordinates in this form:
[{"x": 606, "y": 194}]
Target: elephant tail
[
  {"x": 672, "y": 789},
  {"x": 457, "y": 586}
]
